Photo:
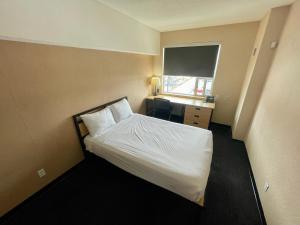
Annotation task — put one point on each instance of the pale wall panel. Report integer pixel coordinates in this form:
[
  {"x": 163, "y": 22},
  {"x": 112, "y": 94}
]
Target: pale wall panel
[{"x": 75, "y": 23}]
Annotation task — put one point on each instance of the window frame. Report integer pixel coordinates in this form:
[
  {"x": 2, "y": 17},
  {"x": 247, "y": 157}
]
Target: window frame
[{"x": 197, "y": 78}]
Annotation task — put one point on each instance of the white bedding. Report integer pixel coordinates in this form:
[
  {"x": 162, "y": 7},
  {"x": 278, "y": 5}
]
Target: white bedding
[{"x": 174, "y": 156}]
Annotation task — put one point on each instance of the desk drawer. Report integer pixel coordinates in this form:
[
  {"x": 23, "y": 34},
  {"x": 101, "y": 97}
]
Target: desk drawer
[
  {"x": 196, "y": 124},
  {"x": 197, "y": 118},
  {"x": 200, "y": 111}
]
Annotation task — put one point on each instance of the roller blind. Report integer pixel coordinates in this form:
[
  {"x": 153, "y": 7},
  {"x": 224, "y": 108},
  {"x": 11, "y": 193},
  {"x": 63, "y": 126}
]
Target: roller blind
[{"x": 195, "y": 61}]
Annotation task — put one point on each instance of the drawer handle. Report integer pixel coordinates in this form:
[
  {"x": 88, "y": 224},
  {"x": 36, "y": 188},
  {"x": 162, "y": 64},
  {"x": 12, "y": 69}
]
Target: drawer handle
[
  {"x": 195, "y": 123},
  {"x": 196, "y": 116},
  {"x": 197, "y": 108}
]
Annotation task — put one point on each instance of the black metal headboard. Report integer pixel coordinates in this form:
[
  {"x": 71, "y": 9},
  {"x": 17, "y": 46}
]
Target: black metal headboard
[{"x": 81, "y": 129}]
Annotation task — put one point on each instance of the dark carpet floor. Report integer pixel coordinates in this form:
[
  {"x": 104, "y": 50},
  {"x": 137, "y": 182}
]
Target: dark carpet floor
[{"x": 96, "y": 192}]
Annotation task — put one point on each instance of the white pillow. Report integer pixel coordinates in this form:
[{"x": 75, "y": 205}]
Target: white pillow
[
  {"x": 121, "y": 110},
  {"x": 98, "y": 122}
]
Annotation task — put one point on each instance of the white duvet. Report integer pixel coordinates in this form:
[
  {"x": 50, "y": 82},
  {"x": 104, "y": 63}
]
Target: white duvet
[{"x": 174, "y": 156}]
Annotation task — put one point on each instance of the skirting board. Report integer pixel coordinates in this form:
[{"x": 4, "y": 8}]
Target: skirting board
[
  {"x": 254, "y": 187},
  {"x": 257, "y": 199},
  {"x": 59, "y": 179}
]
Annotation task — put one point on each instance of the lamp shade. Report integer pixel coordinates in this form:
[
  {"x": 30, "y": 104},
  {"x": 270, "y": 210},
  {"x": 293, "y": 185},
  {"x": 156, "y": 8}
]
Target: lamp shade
[{"x": 155, "y": 81}]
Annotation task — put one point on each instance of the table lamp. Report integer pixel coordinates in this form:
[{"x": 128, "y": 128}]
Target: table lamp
[{"x": 155, "y": 83}]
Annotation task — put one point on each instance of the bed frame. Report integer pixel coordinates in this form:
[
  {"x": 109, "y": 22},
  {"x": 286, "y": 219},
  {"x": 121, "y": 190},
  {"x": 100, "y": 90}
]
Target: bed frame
[{"x": 81, "y": 129}]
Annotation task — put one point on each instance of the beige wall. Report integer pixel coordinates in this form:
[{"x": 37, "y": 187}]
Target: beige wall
[
  {"x": 270, "y": 29},
  {"x": 237, "y": 41},
  {"x": 76, "y": 23},
  {"x": 273, "y": 141},
  {"x": 41, "y": 87}
]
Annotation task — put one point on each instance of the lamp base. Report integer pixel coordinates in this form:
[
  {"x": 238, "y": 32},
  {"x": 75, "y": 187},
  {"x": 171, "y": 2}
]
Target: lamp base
[{"x": 156, "y": 92}]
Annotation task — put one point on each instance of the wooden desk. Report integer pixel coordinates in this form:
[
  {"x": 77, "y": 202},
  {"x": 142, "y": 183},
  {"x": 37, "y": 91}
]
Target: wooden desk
[{"x": 196, "y": 112}]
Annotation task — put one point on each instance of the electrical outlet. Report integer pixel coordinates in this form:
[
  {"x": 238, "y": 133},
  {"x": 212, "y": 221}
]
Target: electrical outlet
[
  {"x": 266, "y": 187},
  {"x": 41, "y": 172}
]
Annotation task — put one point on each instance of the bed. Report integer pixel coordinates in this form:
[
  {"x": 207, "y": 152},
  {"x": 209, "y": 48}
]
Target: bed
[{"x": 173, "y": 156}]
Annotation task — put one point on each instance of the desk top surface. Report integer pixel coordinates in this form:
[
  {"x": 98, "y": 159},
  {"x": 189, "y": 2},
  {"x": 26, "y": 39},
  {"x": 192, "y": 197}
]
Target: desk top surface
[{"x": 185, "y": 101}]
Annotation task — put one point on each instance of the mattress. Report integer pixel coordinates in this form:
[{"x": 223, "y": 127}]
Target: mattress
[{"x": 174, "y": 156}]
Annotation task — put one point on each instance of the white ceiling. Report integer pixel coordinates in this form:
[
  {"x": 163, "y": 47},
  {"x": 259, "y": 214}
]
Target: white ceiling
[{"x": 166, "y": 15}]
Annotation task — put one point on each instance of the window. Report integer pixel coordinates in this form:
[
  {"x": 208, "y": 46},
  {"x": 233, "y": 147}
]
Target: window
[
  {"x": 183, "y": 85},
  {"x": 190, "y": 70}
]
